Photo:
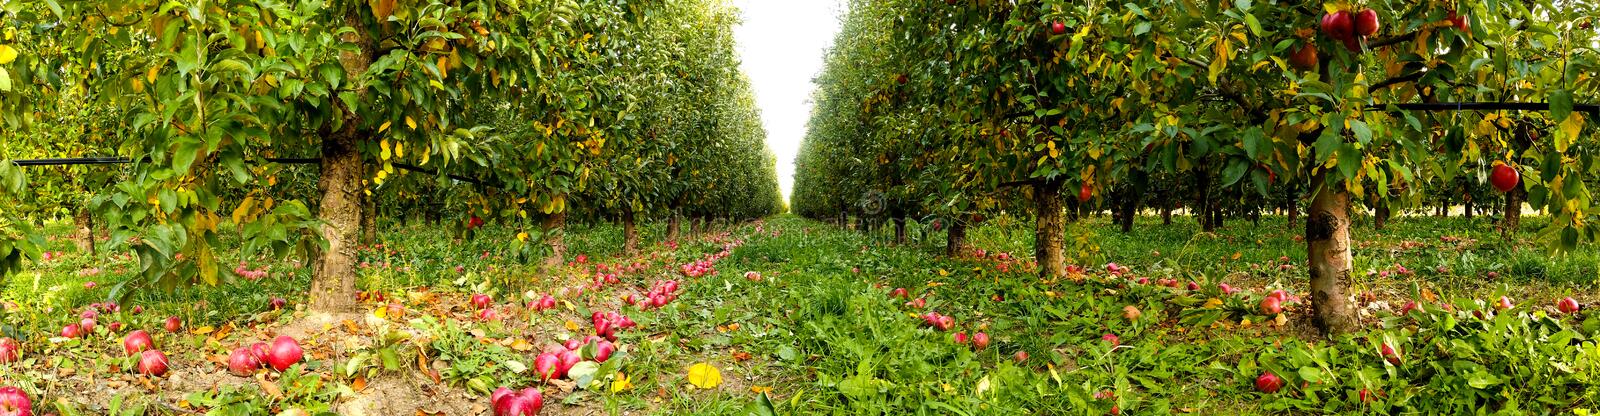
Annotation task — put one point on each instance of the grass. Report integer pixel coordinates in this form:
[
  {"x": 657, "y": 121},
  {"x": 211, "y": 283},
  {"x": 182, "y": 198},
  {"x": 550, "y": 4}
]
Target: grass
[{"x": 818, "y": 333}]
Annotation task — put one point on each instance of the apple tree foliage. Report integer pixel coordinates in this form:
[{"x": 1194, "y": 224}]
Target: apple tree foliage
[
  {"x": 536, "y": 102},
  {"x": 1099, "y": 95}
]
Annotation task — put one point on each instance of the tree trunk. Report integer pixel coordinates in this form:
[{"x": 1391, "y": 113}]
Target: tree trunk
[
  {"x": 1166, "y": 213},
  {"x": 1328, "y": 249},
  {"x": 630, "y": 235},
  {"x": 1293, "y": 211},
  {"x": 1513, "y": 214},
  {"x": 554, "y": 228},
  {"x": 1049, "y": 234},
  {"x": 1380, "y": 216},
  {"x": 369, "y": 219},
  {"x": 1130, "y": 209},
  {"x": 85, "y": 233},
  {"x": 1202, "y": 206},
  {"x": 899, "y": 230},
  {"x": 333, "y": 285},
  {"x": 1468, "y": 207},
  {"x": 672, "y": 225},
  {"x": 956, "y": 239},
  {"x": 333, "y": 281}
]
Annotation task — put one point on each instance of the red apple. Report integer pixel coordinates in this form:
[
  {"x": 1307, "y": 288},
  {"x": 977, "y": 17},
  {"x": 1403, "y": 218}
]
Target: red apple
[
  {"x": 1085, "y": 192},
  {"x": 481, "y": 301},
  {"x": 1503, "y": 304},
  {"x": 1057, "y": 28},
  {"x": 899, "y": 292},
  {"x": 242, "y": 362},
  {"x": 1021, "y": 356},
  {"x": 1338, "y": 25},
  {"x": 1304, "y": 58},
  {"x": 13, "y": 402},
  {"x": 603, "y": 351},
  {"x": 1565, "y": 305},
  {"x": 174, "y": 324},
  {"x": 567, "y": 359},
  {"x": 960, "y": 338},
  {"x": 1271, "y": 306},
  {"x": 1111, "y": 338},
  {"x": 1389, "y": 354},
  {"x": 527, "y": 402},
  {"x": 8, "y": 350},
  {"x": 260, "y": 351},
  {"x": 1504, "y": 178},
  {"x": 86, "y": 325},
  {"x": 152, "y": 363},
  {"x": 285, "y": 352},
  {"x": 70, "y": 331},
  {"x": 1268, "y": 382},
  {"x": 1461, "y": 22},
  {"x": 136, "y": 342},
  {"x": 1366, "y": 22},
  {"x": 546, "y": 365},
  {"x": 277, "y": 303},
  {"x": 980, "y": 340},
  {"x": 1411, "y": 306}
]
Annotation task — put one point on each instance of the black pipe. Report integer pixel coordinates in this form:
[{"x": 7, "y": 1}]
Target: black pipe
[
  {"x": 69, "y": 161},
  {"x": 1588, "y": 108}
]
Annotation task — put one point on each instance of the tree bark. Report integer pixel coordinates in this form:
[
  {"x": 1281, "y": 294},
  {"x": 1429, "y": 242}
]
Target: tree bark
[
  {"x": 85, "y": 233},
  {"x": 1468, "y": 207},
  {"x": 1130, "y": 209},
  {"x": 1166, "y": 213},
  {"x": 899, "y": 230},
  {"x": 333, "y": 281},
  {"x": 554, "y": 227},
  {"x": 1380, "y": 216},
  {"x": 955, "y": 239},
  {"x": 1513, "y": 214},
  {"x": 1328, "y": 249},
  {"x": 369, "y": 219},
  {"x": 1049, "y": 232},
  {"x": 673, "y": 225},
  {"x": 333, "y": 285},
  {"x": 630, "y": 235}
]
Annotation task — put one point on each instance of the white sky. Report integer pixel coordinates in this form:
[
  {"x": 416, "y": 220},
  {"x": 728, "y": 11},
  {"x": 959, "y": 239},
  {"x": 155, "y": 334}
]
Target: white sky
[{"x": 781, "y": 43}]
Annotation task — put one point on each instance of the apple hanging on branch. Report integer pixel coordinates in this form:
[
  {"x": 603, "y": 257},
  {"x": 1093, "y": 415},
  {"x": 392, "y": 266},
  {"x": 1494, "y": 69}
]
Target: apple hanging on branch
[{"x": 1504, "y": 177}]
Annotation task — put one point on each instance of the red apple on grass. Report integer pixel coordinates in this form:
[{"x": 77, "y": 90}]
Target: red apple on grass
[
  {"x": 481, "y": 301},
  {"x": 980, "y": 340},
  {"x": 9, "y": 350},
  {"x": 1389, "y": 354},
  {"x": 152, "y": 363},
  {"x": 70, "y": 331},
  {"x": 277, "y": 303},
  {"x": 546, "y": 364},
  {"x": 1503, "y": 304},
  {"x": 243, "y": 362},
  {"x": 13, "y": 402},
  {"x": 284, "y": 352},
  {"x": 960, "y": 338},
  {"x": 1268, "y": 382},
  {"x": 136, "y": 342},
  {"x": 1271, "y": 306},
  {"x": 173, "y": 324},
  {"x": 527, "y": 402},
  {"x": 1567, "y": 305}
]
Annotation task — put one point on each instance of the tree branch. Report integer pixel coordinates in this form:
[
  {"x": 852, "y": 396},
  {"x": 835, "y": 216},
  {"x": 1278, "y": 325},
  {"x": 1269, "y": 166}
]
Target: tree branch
[{"x": 1412, "y": 77}]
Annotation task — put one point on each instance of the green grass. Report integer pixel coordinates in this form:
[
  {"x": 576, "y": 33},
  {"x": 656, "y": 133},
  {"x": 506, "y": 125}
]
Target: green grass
[{"x": 819, "y": 334}]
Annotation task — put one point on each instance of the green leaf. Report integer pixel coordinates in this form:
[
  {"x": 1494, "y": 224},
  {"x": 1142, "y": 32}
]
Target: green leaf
[{"x": 1560, "y": 104}]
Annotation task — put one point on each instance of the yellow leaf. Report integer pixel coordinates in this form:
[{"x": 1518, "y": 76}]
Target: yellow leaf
[
  {"x": 150, "y": 76},
  {"x": 411, "y": 123},
  {"x": 943, "y": 272},
  {"x": 621, "y": 383},
  {"x": 399, "y": 150},
  {"x": 705, "y": 376},
  {"x": 522, "y": 236},
  {"x": 1212, "y": 303},
  {"x": 385, "y": 126},
  {"x": 387, "y": 152},
  {"x": 572, "y": 326},
  {"x": 7, "y": 54}
]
